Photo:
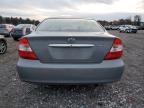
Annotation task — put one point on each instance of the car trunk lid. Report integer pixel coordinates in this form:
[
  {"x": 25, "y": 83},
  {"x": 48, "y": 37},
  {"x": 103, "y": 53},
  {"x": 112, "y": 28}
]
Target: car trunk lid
[{"x": 71, "y": 47}]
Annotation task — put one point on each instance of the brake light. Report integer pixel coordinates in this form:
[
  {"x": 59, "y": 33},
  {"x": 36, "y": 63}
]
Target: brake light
[
  {"x": 25, "y": 50},
  {"x": 116, "y": 51}
]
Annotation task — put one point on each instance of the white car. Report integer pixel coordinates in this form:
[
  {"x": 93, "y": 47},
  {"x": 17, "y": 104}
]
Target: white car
[
  {"x": 22, "y": 29},
  {"x": 128, "y": 29},
  {"x": 6, "y": 29},
  {"x": 114, "y": 27}
]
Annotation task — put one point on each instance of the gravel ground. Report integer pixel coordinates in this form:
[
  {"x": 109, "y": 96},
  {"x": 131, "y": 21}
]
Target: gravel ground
[{"x": 127, "y": 93}]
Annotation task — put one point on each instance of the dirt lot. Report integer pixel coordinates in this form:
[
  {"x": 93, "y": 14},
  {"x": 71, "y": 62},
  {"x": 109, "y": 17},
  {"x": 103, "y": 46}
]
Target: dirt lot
[{"x": 127, "y": 93}]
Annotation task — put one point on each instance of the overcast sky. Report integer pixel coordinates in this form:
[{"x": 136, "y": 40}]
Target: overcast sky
[{"x": 98, "y": 9}]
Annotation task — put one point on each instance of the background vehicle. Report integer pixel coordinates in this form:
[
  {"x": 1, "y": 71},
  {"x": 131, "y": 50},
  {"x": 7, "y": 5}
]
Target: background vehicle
[
  {"x": 111, "y": 27},
  {"x": 107, "y": 27},
  {"x": 128, "y": 29},
  {"x": 3, "y": 45},
  {"x": 6, "y": 29},
  {"x": 70, "y": 51},
  {"x": 138, "y": 27},
  {"x": 22, "y": 29},
  {"x": 114, "y": 27},
  {"x": 141, "y": 26}
]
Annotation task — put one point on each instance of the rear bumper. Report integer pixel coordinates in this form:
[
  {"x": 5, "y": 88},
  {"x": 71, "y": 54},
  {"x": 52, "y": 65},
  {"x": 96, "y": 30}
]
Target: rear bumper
[{"x": 34, "y": 71}]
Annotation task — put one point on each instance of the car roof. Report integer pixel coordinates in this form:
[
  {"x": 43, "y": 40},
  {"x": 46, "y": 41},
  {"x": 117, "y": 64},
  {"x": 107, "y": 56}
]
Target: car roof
[
  {"x": 69, "y": 18},
  {"x": 6, "y": 24},
  {"x": 25, "y": 24}
]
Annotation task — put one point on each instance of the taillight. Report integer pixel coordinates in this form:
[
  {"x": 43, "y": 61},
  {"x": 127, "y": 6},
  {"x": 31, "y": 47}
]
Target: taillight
[
  {"x": 25, "y": 50},
  {"x": 116, "y": 51}
]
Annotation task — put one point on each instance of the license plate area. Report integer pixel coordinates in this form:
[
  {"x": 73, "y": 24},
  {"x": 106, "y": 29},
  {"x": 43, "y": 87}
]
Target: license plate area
[{"x": 71, "y": 53}]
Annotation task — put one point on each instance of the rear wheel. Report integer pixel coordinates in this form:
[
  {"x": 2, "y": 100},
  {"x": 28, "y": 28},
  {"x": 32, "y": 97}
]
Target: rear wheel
[
  {"x": 7, "y": 35},
  {"x": 3, "y": 46},
  {"x": 127, "y": 31}
]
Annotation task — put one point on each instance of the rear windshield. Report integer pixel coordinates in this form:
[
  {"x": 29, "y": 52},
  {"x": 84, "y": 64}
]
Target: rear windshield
[
  {"x": 2, "y": 26},
  {"x": 70, "y": 25},
  {"x": 23, "y": 26}
]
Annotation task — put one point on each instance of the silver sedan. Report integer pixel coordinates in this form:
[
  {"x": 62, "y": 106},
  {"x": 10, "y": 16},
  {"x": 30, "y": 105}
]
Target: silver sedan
[{"x": 69, "y": 50}]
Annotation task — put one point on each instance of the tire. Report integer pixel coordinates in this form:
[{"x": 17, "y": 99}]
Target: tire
[
  {"x": 127, "y": 31},
  {"x": 6, "y": 36},
  {"x": 3, "y": 46}
]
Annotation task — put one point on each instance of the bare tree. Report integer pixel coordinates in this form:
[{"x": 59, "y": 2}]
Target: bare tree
[
  {"x": 16, "y": 20},
  {"x": 137, "y": 20}
]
